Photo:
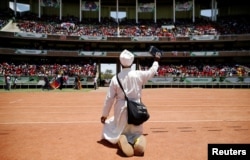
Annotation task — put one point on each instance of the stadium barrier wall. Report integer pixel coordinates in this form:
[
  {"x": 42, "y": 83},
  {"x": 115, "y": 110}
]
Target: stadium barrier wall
[
  {"x": 201, "y": 82},
  {"x": 59, "y": 53},
  {"x": 156, "y": 82},
  {"x": 125, "y": 39},
  {"x": 37, "y": 82}
]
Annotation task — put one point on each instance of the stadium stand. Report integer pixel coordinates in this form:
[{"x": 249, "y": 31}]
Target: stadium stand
[{"x": 200, "y": 53}]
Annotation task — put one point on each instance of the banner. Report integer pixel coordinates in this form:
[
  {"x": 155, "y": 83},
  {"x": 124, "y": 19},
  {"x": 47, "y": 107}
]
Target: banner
[
  {"x": 50, "y": 3},
  {"x": 197, "y": 80},
  {"x": 204, "y": 37},
  {"x": 90, "y": 6},
  {"x": 186, "y": 6},
  {"x": 67, "y": 25},
  {"x": 2, "y": 80},
  {"x": 247, "y": 80},
  {"x": 233, "y": 80},
  {"x": 30, "y": 35},
  {"x": 89, "y": 53},
  {"x": 146, "y": 7},
  {"x": 168, "y": 27},
  {"x": 161, "y": 80},
  {"x": 30, "y": 51},
  {"x": 27, "y": 80},
  {"x": 95, "y": 38},
  {"x": 205, "y": 53},
  {"x": 145, "y": 38},
  {"x": 142, "y": 54},
  {"x": 35, "y": 80}
]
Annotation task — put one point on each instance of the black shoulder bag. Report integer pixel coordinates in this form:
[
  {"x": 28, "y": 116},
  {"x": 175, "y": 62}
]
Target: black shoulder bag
[{"x": 137, "y": 112}]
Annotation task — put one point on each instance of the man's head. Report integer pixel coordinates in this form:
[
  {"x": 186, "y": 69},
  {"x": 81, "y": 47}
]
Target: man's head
[{"x": 126, "y": 58}]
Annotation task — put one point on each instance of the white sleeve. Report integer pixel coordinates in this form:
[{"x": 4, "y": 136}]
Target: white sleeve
[
  {"x": 110, "y": 97},
  {"x": 148, "y": 74}
]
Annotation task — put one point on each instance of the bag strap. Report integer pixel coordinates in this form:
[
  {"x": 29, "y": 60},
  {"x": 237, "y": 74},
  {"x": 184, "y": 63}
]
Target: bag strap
[{"x": 121, "y": 86}]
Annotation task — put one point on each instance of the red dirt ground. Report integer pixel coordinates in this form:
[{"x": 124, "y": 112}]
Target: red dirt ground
[{"x": 54, "y": 125}]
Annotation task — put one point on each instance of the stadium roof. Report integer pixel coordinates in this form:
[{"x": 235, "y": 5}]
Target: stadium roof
[
  {"x": 169, "y": 2},
  {"x": 20, "y": 7}
]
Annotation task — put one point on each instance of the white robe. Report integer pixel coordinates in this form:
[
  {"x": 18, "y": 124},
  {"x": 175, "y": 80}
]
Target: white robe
[{"x": 132, "y": 82}]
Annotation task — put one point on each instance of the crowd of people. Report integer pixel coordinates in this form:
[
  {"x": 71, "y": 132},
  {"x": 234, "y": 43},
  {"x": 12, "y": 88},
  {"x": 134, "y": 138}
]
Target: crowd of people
[
  {"x": 201, "y": 70},
  {"x": 47, "y": 69},
  {"x": 71, "y": 26},
  {"x": 89, "y": 70}
]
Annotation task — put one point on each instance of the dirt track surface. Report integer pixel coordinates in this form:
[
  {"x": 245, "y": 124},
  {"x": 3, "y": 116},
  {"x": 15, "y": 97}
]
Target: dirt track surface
[{"x": 54, "y": 125}]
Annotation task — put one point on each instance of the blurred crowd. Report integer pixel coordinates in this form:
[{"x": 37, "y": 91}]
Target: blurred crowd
[
  {"x": 201, "y": 70},
  {"x": 128, "y": 28},
  {"x": 87, "y": 70},
  {"x": 71, "y": 26}
]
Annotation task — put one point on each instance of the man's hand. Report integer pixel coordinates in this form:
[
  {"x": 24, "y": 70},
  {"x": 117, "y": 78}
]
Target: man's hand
[
  {"x": 157, "y": 59},
  {"x": 157, "y": 56},
  {"x": 103, "y": 119}
]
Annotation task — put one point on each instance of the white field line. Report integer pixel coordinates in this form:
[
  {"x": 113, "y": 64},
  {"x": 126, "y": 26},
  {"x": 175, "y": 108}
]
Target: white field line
[{"x": 16, "y": 101}]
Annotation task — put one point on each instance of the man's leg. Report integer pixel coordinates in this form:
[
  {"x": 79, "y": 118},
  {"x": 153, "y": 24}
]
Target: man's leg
[
  {"x": 139, "y": 146},
  {"x": 126, "y": 148}
]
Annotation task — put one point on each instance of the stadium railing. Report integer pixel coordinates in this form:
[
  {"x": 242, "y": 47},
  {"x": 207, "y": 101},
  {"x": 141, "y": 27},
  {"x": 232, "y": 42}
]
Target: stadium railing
[
  {"x": 156, "y": 82},
  {"x": 36, "y": 82},
  {"x": 128, "y": 39}
]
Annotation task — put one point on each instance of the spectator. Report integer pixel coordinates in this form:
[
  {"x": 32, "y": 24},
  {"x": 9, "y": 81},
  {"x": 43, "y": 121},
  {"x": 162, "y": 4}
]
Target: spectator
[
  {"x": 95, "y": 82},
  {"x": 14, "y": 82},
  {"x": 46, "y": 83},
  {"x": 8, "y": 82}
]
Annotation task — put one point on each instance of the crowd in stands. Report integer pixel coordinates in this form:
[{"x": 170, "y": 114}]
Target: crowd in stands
[
  {"x": 71, "y": 26},
  {"x": 165, "y": 70},
  {"x": 47, "y": 69},
  {"x": 204, "y": 70},
  {"x": 182, "y": 28},
  {"x": 128, "y": 28}
]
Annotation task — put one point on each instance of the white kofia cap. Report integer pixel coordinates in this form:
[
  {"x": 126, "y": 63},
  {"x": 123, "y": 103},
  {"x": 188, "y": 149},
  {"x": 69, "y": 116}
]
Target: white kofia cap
[{"x": 126, "y": 58}]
